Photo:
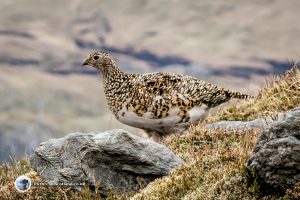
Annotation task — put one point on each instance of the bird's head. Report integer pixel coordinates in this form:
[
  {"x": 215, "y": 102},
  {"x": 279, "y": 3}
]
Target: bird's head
[{"x": 99, "y": 60}]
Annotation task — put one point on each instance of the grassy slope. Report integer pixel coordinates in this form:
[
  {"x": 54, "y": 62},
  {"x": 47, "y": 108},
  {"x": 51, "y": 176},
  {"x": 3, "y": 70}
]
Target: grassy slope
[{"x": 215, "y": 162}]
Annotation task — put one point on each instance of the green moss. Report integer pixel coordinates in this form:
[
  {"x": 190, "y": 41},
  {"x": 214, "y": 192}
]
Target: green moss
[{"x": 253, "y": 181}]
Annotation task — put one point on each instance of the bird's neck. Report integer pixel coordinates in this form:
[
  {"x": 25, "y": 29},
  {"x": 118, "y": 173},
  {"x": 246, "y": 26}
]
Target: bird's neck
[
  {"x": 113, "y": 81},
  {"x": 111, "y": 73},
  {"x": 112, "y": 78}
]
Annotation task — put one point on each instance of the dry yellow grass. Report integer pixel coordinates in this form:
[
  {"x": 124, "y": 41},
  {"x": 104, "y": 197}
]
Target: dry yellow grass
[
  {"x": 214, "y": 161},
  {"x": 282, "y": 93},
  {"x": 214, "y": 168}
]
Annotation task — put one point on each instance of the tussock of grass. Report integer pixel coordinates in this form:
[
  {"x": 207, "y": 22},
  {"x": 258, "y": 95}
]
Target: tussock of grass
[
  {"x": 215, "y": 166},
  {"x": 214, "y": 161},
  {"x": 281, "y": 94}
]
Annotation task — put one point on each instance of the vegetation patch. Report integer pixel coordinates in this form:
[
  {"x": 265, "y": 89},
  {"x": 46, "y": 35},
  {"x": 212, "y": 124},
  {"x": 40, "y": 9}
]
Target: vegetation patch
[
  {"x": 215, "y": 161},
  {"x": 215, "y": 167},
  {"x": 282, "y": 93}
]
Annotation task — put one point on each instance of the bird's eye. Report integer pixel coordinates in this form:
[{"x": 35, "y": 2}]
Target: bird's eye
[{"x": 96, "y": 57}]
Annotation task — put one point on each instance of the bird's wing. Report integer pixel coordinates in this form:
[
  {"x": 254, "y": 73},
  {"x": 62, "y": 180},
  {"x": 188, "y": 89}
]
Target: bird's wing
[
  {"x": 160, "y": 83},
  {"x": 198, "y": 91}
]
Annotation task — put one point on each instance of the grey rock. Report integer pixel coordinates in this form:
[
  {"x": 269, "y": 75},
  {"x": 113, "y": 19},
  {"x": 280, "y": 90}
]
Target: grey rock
[
  {"x": 241, "y": 126},
  {"x": 115, "y": 159},
  {"x": 276, "y": 155},
  {"x": 237, "y": 125}
]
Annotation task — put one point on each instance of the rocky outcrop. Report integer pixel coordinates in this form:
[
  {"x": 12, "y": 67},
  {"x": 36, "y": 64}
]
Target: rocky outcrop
[
  {"x": 114, "y": 159},
  {"x": 276, "y": 156}
]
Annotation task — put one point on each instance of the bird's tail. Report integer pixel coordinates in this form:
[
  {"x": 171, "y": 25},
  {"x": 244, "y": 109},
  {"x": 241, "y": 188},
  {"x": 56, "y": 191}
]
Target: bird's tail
[{"x": 239, "y": 95}]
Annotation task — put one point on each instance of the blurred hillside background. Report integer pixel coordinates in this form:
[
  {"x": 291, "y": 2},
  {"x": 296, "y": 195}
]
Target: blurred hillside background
[{"x": 45, "y": 93}]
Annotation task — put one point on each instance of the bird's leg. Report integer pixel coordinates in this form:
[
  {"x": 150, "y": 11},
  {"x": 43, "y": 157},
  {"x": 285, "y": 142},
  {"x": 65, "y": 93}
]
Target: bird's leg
[
  {"x": 155, "y": 136},
  {"x": 201, "y": 123}
]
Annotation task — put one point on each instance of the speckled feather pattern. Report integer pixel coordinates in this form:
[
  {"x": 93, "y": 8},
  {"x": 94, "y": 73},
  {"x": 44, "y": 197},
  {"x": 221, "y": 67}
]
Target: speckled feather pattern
[{"x": 156, "y": 95}]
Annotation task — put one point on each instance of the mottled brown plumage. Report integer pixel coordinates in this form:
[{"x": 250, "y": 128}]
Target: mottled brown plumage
[{"x": 162, "y": 103}]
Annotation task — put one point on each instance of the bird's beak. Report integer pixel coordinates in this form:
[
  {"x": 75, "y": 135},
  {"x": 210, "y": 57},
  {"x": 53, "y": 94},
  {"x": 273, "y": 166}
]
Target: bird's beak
[{"x": 84, "y": 63}]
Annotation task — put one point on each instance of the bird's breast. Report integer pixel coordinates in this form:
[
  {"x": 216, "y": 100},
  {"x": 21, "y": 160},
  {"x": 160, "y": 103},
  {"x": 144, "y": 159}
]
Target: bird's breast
[
  {"x": 146, "y": 119},
  {"x": 153, "y": 118}
]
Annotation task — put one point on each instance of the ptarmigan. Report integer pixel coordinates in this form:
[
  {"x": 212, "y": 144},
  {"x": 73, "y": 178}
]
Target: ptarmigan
[{"x": 160, "y": 103}]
